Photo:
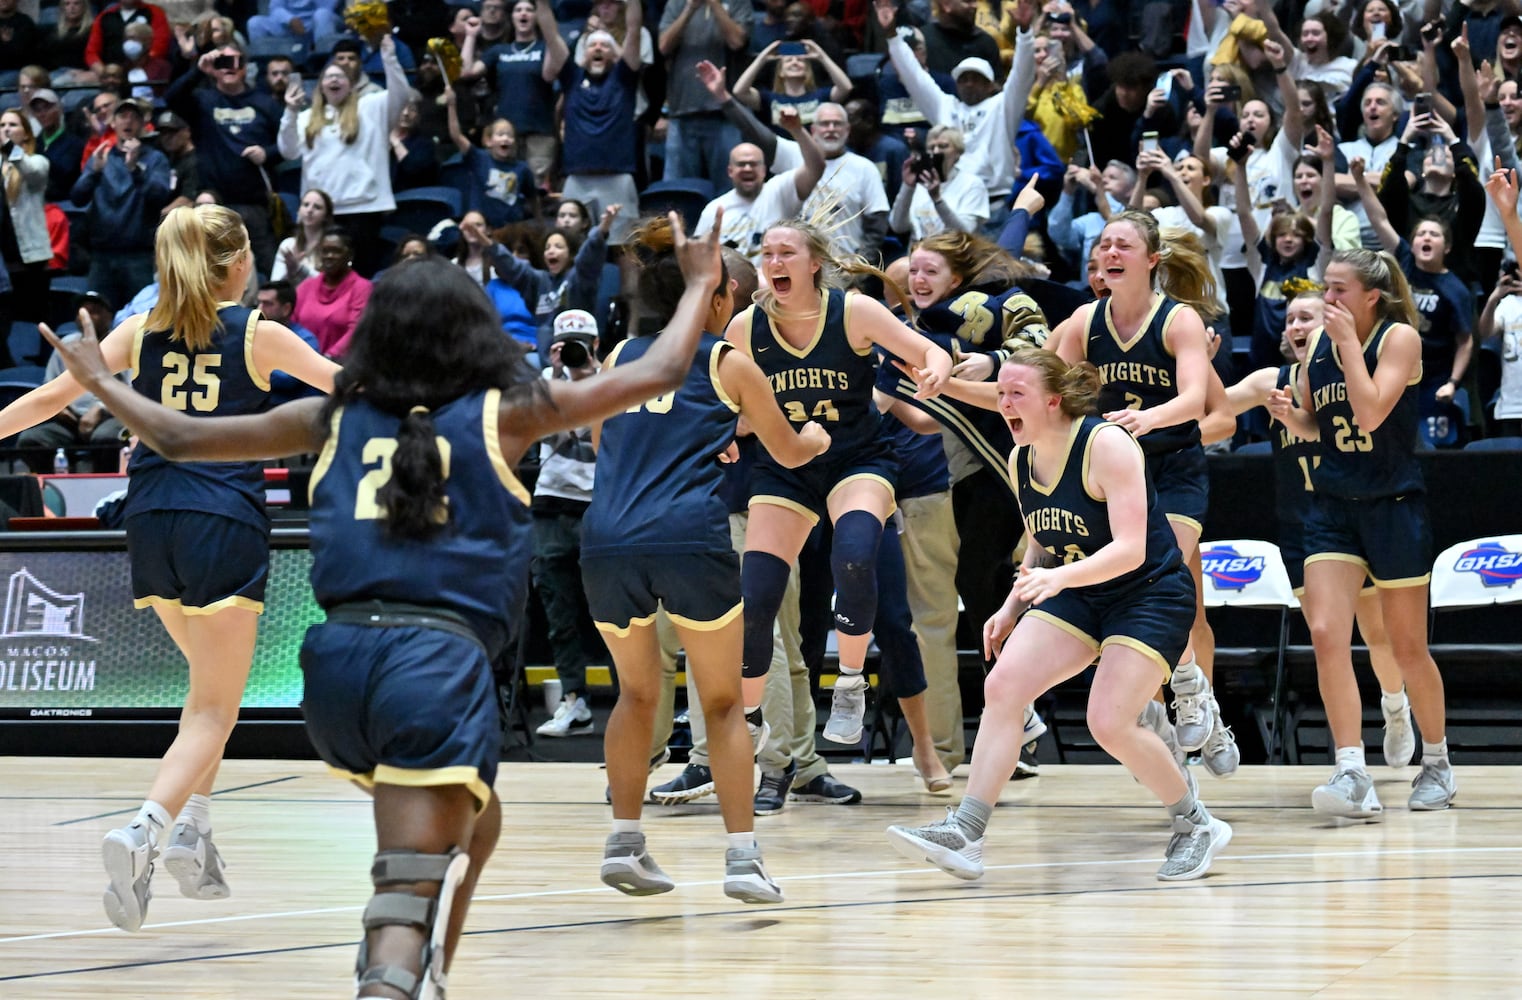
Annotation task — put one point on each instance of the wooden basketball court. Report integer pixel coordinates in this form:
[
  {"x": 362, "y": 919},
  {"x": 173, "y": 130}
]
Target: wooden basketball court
[{"x": 1418, "y": 905}]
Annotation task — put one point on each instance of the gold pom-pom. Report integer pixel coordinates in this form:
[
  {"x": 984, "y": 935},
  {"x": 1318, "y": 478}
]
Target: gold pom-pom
[
  {"x": 368, "y": 18},
  {"x": 448, "y": 55}
]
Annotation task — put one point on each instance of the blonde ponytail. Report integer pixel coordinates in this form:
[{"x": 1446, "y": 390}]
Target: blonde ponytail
[{"x": 194, "y": 252}]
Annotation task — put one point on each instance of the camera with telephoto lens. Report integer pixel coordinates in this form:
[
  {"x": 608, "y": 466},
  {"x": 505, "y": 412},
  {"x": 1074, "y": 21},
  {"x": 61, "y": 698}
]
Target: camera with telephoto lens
[{"x": 574, "y": 353}]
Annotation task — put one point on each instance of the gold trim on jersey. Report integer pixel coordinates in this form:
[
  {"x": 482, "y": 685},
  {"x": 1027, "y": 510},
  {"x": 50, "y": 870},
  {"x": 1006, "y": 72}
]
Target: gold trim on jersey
[
  {"x": 713, "y": 374},
  {"x": 1187, "y": 521},
  {"x": 1065, "y": 626},
  {"x": 492, "y": 438},
  {"x": 1088, "y": 447},
  {"x": 1157, "y": 301},
  {"x": 1167, "y": 324},
  {"x": 1405, "y": 581},
  {"x": 325, "y": 458},
  {"x": 612, "y": 358},
  {"x": 1346, "y": 557},
  {"x": 623, "y": 631},
  {"x": 709, "y": 626},
  {"x": 747, "y": 329},
  {"x": 874, "y": 477},
  {"x": 1067, "y": 454},
  {"x": 808, "y": 348},
  {"x": 785, "y": 504},
  {"x": 432, "y": 777},
  {"x": 246, "y": 603},
  {"x": 252, "y": 327},
  {"x": 1142, "y": 648}
]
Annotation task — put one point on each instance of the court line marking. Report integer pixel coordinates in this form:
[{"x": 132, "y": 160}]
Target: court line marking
[
  {"x": 818, "y": 876},
  {"x": 218, "y": 792},
  {"x": 765, "y": 911}
]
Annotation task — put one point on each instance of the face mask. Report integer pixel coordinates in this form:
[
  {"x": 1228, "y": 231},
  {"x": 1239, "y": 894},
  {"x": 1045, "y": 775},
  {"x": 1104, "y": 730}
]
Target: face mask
[{"x": 132, "y": 48}]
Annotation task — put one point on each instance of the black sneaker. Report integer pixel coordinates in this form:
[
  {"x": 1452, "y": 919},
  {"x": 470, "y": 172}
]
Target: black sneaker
[
  {"x": 1029, "y": 766},
  {"x": 826, "y": 789},
  {"x": 695, "y": 781},
  {"x": 772, "y": 794}
]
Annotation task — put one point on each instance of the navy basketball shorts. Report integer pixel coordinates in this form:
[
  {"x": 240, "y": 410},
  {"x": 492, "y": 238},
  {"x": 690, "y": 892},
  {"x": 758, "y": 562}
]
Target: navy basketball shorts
[
  {"x": 1182, "y": 481},
  {"x": 699, "y": 590},
  {"x": 1152, "y": 617},
  {"x": 200, "y": 563},
  {"x": 1389, "y": 536},
  {"x": 807, "y": 489},
  {"x": 401, "y": 705}
]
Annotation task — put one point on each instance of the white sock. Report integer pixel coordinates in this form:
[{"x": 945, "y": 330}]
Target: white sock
[
  {"x": 1393, "y": 703},
  {"x": 1435, "y": 753},
  {"x": 626, "y": 826},
  {"x": 850, "y": 671},
  {"x": 743, "y": 841},
  {"x": 155, "y": 817},
  {"x": 1351, "y": 759},
  {"x": 197, "y": 812}
]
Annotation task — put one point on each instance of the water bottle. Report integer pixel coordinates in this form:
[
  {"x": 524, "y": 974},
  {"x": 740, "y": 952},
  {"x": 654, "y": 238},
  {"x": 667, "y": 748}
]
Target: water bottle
[{"x": 60, "y": 463}]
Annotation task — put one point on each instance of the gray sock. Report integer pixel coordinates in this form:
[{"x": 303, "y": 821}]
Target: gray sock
[
  {"x": 972, "y": 816},
  {"x": 1191, "y": 808}
]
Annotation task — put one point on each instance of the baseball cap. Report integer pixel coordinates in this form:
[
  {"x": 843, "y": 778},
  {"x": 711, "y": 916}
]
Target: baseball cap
[
  {"x": 134, "y": 104},
  {"x": 973, "y": 64},
  {"x": 93, "y": 296},
  {"x": 168, "y": 121},
  {"x": 44, "y": 95},
  {"x": 1509, "y": 21},
  {"x": 575, "y": 324}
]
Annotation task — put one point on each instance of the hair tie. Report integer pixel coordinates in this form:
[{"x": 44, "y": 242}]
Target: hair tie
[{"x": 418, "y": 409}]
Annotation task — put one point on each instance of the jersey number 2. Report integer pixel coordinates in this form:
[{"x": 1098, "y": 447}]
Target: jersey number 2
[
  {"x": 378, "y": 452},
  {"x": 206, "y": 384}
]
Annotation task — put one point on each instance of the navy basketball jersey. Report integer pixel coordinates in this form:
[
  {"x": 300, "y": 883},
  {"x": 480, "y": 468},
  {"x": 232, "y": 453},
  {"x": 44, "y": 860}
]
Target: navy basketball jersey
[
  {"x": 1295, "y": 462},
  {"x": 1141, "y": 373},
  {"x": 1066, "y": 519},
  {"x": 476, "y": 566},
  {"x": 659, "y": 478},
  {"x": 985, "y": 319},
  {"x": 1357, "y": 464},
  {"x": 217, "y": 381},
  {"x": 826, "y": 380}
]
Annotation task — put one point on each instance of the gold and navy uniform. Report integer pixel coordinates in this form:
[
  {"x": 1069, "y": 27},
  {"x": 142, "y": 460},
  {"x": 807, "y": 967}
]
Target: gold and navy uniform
[
  {"x": 658, "y": 527},
  {"x": 984, "y": 320},
  {"x": 398, "y": 680},
  {"x": 219, "y": 381},
  {"x": 1358, "y": 464},
  {"x": 1369, "y": 505},
  {"x": 1295, "y": 459},
  {"x": 1139, "y": 374},
  {"x": 827, "y": 381},
  {"x": 1150, "y": 608},
  {"x": 1143, "y": 374},
  {"x": 197, "y": 532},
  {"x": 476, "y": 567}
]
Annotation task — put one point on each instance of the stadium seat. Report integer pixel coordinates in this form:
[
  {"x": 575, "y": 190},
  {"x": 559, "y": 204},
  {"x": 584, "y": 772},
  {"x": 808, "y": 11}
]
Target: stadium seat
[
  {"x": 260, "y": 49},
  {"x": 26, "y": 344},
  {"x": 1476, "y": 573},
  {"x": 1256, "y": 448},
  {"x": 1495, "y": 444},
  {"x": 687, "y": 195},
  {"x": 864, "y": 65},
  {"x": 288, "y": 177},
  {"x": 421, "y": 209},
  {"x": 62, "y": 297}
]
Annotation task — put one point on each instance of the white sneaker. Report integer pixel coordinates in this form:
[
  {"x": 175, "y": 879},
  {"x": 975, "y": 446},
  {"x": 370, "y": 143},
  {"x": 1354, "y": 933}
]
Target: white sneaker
[
  {"x": 195, "y": 863},
  {"x": 1400, "y": 738},
  {"x": 1220, "y": 754},
  {"x": 1348, "y": 795},
  {"x": 1194, "y": 707},
  {"x": 572, "y": 717},
  {"x": 1192, "y": 848},
  {"x": 128, "y": 853},
  {"x": 848, "y": 708}
]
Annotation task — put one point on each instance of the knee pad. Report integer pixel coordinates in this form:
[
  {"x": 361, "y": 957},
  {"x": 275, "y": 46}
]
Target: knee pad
[
  {"x": 389, "y": 908},
  {"x": 853, "y": 559},
  {"x": 763, "y": 582}
]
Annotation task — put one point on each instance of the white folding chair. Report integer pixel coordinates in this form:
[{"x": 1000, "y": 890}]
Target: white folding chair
[
  {"x": 1476, "y": 573},
  {"x": 1249, "y": 573}
]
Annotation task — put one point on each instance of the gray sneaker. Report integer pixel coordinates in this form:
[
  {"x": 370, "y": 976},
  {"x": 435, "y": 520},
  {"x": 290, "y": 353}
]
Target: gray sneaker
[
  {"x": 128, "y": 853},
  {"x": 1192, "y": 848},
  {"x": 848, "y": 707},
  {"x": 630, "y": 869},
  {"x": 943, "y": 844},
  {"x": 745, "y": 877},
  {"x": 1434, "y": 788},
  {"x": 195, "y": 863},
  {"x": 771, "y": 794},
  {"x": 1194, "y": 707},
  {"x": 1348, "y": 795},
  {"x": 1220, "y": 754},
  {"x": 695, "y": 781},
  {"x": 1400, "y": 738},
  {"x": 1155, "y": 718}
]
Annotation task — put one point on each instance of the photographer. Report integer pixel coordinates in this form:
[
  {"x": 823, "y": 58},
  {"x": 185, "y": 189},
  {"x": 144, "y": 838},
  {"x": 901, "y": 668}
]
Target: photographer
[
  {"x": 567, "y": 462},
  {"x": 1501, "y": 322},
  {"x": 1447, "y": 187},
  {"x": 935, "y": 195}
]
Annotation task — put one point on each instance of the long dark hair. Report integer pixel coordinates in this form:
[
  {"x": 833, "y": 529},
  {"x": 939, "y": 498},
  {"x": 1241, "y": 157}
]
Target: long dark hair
[{"x": 427, "y": 336}]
